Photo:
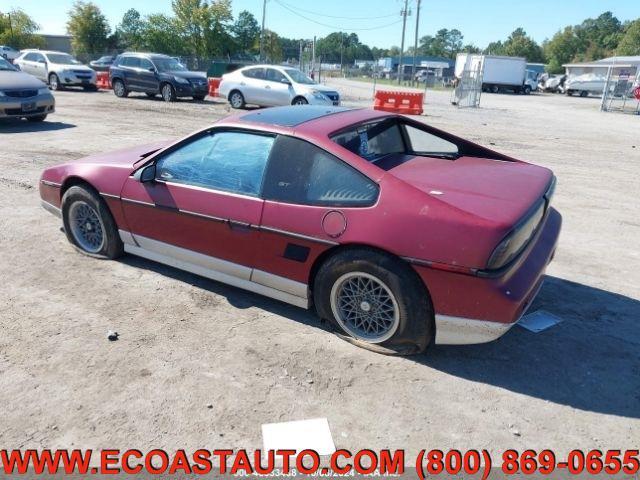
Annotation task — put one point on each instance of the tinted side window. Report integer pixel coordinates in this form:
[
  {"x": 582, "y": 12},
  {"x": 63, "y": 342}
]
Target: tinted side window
[
  {"x": 229, "y": 161},
  {"x": 146, "y": 64},
  {"x": 254, "y": 73},
  {"x": 302, "y": 173},
  {"x": 274, "y": 75},
  {"x": 133, "y": 62},
  {"x": 30, "y": 57}
]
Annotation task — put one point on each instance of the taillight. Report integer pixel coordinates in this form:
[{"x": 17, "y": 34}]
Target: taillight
[{"x": 517, "y": 239}]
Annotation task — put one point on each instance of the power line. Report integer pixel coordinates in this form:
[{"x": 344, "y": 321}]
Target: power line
[
  {"x": 333, "y": 26},
  {"x": 337, "y": 16}
]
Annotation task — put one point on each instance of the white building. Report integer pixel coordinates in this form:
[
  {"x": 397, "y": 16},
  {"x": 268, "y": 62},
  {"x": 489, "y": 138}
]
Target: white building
[{"x": 600, "y": 68}]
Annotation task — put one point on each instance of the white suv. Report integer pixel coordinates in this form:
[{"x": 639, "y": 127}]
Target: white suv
[
  {"x": 58, "y": 69},
  {"x": 269, "y": 86}
]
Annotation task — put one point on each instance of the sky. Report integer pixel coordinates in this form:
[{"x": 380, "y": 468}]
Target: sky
[{"x": 480, "y": 21}]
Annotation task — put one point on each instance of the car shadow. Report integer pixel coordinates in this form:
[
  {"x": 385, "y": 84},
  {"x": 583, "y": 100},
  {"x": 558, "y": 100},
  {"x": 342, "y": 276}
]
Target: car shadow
[
  {"x": 589, "y": 361},
  {"x": 24, "y": 126}
]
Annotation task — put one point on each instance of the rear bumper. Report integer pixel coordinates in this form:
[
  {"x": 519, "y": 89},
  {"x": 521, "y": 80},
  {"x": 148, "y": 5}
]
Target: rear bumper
[{"x": 471, "y": 309}]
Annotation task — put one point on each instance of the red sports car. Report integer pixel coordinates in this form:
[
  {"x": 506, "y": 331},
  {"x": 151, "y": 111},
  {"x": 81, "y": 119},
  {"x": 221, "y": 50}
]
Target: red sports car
[{"x": 398, "y": 233}]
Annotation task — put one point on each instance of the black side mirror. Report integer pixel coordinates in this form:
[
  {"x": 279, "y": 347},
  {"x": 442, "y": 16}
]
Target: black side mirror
[
  {"x": 146, "y": 174},
  {"x": 152, "y": 70}
]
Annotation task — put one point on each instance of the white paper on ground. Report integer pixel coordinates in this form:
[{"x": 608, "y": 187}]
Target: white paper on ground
[
  {"x": 299, "y": 435},
  {"x": 538, "y": 321}
]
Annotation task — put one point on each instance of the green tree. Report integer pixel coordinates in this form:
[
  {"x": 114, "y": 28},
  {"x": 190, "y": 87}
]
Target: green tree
[
  {"x": 161, "y": 34},
  {"x": 18, "y": 30},
  {"x": 445, "y": 43},
  {"x": 216, "y": 26},
  {"x": 88, "y": 27},
  {"x": 601, "y": 34},
  {"x": 630, "y": 42},
  {"x": 272, "y": 47},
  {"x": 130, "y": 30},
  {"x": 520, "y": 45},
  {"x": 562, "y": 48},
  {"x": 246, "y": 32}
]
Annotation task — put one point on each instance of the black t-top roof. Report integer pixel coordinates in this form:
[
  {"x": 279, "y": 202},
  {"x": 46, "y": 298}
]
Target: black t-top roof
[{"x": 291, "y": 116}]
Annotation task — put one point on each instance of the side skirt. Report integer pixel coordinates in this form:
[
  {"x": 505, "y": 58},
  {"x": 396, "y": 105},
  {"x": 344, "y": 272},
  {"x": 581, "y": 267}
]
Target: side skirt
[{"x": 256, "y": 281}]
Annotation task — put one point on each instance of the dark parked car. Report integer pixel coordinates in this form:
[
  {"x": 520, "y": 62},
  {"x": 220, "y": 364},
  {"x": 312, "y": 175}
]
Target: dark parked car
[
  {"x": 155, "y": 74},
  {"x": 103, "y": 63}
]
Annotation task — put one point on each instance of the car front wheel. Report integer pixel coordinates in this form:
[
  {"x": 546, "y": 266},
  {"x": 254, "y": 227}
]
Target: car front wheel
[
  {"x": 299, "y": 101},
  {"x": 54, "y": 82},
  {"x": 168, "y": 93},
  {"x": 375, "y": 301},
  {"x": 89, "y": 225}
]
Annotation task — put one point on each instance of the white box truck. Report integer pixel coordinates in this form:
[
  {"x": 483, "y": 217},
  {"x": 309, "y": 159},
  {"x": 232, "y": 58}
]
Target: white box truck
[{"x": 499, "y": 73}]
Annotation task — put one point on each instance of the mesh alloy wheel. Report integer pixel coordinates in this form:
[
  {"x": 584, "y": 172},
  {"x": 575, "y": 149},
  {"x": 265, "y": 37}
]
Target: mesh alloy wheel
[
  {"x": 86, "y": 227},
  {"x": 365, "y": 307}
]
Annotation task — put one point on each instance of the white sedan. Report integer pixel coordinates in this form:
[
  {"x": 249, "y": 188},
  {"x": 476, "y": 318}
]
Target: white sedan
[{"x": 269, "y": 86}]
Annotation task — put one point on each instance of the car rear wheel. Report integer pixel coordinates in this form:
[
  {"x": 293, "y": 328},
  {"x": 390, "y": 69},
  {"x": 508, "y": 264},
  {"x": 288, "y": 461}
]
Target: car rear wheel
[
  {"x": 300, "y": 101},
  {"x": 584, "y": 93},
  {"x": 54, "y": 82},
  {"x": 37, "y": 118},
  {"x": 494, "y": 89},
  {"x": 89, "y": 225},
  {"x": 119, "y": 89},
  {"x": 236, "y": 99},
  {"x": 375, "y": 301},
  {"x": 527, "y": 89},
  {"x": 168, "y": 93}
]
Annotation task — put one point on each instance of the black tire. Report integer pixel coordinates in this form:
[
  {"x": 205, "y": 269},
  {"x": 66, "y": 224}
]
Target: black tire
[
  {"x": 526, "y": 90},
  {"x": 54, "y": 82},
  {"x": 570, "y": 93},
  {"x": 37, "y": 118},
  {"x": 119, "y": 88},
  {"x": 151, "y": 95},
  {"x": 414, "y": 327},
  {"x": 494, "y": 89},
  {"x": 584, "y": 93},
  {"x": 168, "y": 92},
  {"x": 299, "y": 101},
  {"x": 199, "y": 98},
  {"x": 236, "y": 99},
  {"x": 111, "y": 246}
]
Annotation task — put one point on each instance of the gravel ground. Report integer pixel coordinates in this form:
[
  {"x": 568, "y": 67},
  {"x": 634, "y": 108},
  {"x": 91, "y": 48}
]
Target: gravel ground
[{"x": 187, "y": 343}]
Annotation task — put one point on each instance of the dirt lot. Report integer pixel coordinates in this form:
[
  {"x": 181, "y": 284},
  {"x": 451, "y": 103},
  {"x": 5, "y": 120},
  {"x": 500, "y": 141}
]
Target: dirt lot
[{"x": 187, "y": 342}]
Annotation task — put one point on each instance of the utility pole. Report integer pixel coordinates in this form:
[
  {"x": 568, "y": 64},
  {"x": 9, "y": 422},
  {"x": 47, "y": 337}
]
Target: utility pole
[
  {"x": 415, "y": 45},
  {"x": 264, "y": 13},
  {"x": 404, "y": 27},
  {"x": 341, "y": 52},
  {"x": 313, "y": 56},
  {"x": 300, "y": 57}
]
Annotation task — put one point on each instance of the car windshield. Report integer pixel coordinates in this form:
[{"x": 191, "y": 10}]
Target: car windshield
[
  {"x": 63, "y": 59},
  {"x": 5, "y": 65},
  {"x": 169, "y": 65},
  {"x": 299, "y": 77}
]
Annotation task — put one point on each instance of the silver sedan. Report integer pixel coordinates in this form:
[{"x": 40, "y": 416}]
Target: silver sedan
[{"x": 22, "y": 95}]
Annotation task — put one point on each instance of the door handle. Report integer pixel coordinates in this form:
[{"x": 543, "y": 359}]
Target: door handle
[
  {"x": 268, "y": 87},
  {"x": 242, "y": 83},
  {"x": 235, "y": 225}
]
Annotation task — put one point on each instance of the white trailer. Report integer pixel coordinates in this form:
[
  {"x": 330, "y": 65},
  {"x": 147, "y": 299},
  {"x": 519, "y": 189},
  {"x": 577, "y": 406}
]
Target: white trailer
[{"x": 499, "y": 73}]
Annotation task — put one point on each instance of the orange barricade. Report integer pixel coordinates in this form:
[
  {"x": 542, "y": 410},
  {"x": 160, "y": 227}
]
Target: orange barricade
[
  {"x": 408, "y": 103},
  {"x": 102, "y": 80},
  {"x": 636, "y": 93},
  {"x": 214, "y": 83}
]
